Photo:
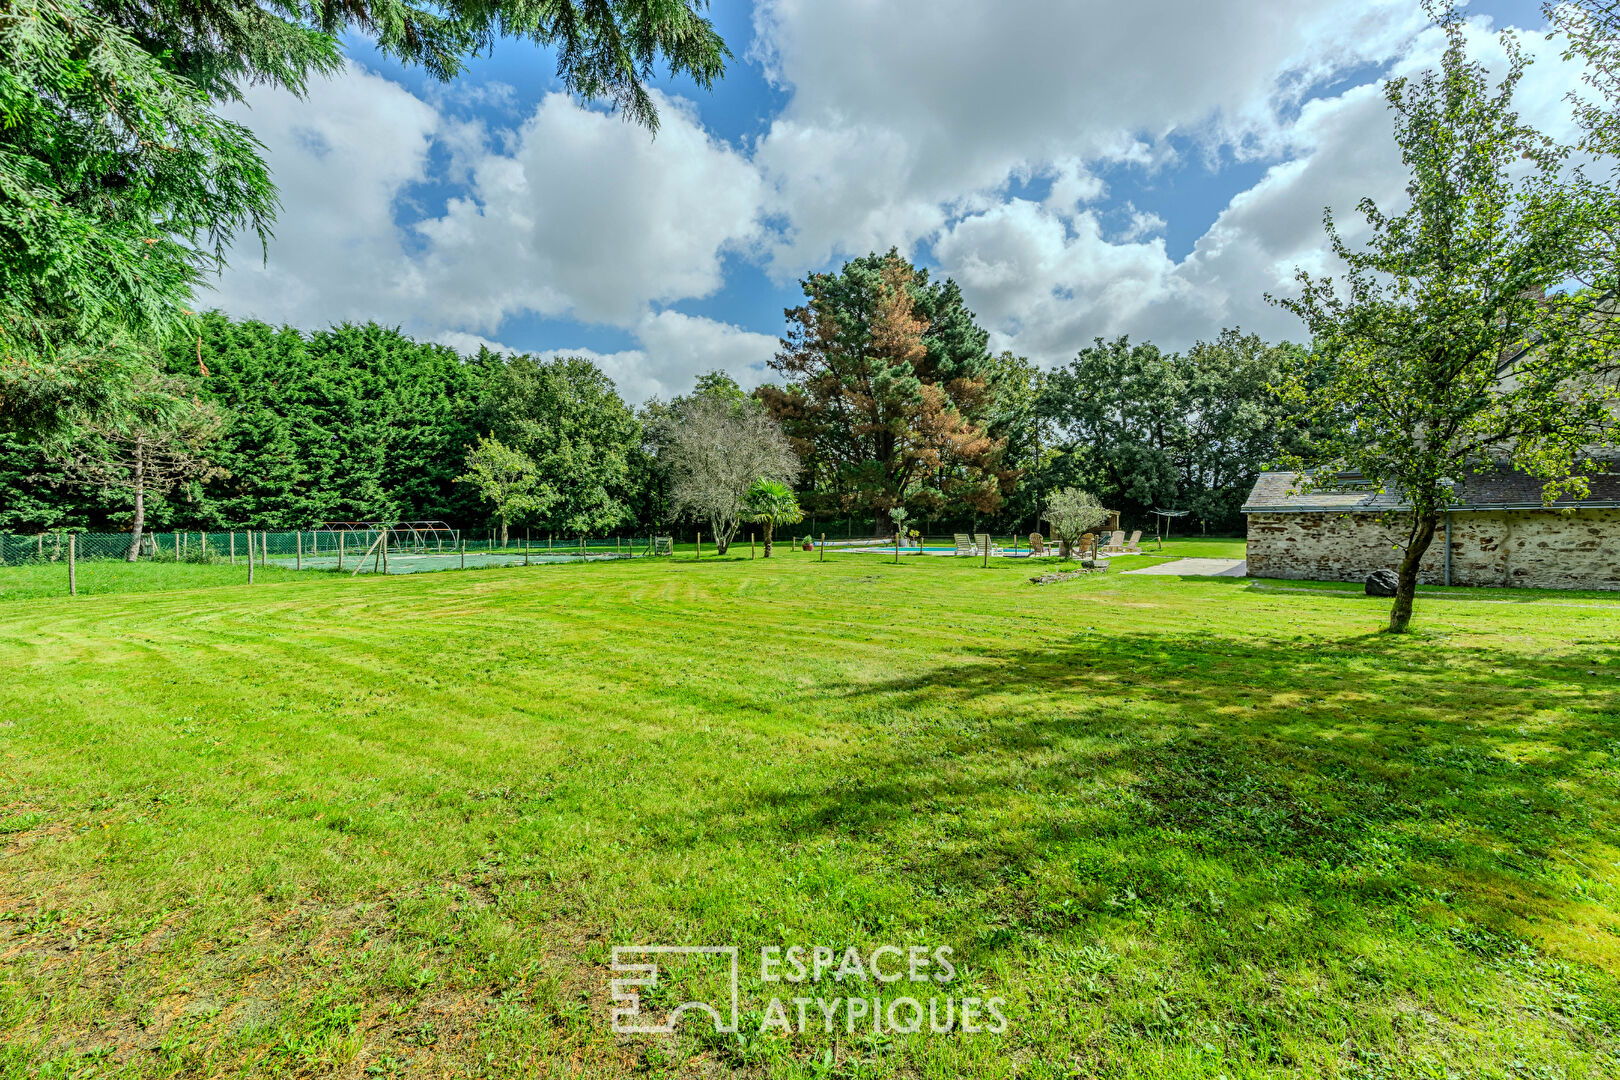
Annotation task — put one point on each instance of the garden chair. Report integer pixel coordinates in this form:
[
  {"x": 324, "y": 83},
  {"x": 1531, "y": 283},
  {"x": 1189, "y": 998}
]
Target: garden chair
[
  {"x": 964, "y": 544},
  {"x": 1037, "y": 545},
  {"x": 1115, "y": 544},
  {"x": 1133, "y": 546},
  {"x": 982, "y": 544}
]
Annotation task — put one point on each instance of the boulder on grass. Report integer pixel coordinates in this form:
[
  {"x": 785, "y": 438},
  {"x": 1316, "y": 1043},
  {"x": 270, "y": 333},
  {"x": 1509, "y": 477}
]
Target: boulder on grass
[{"x": 1382, "y": 583}]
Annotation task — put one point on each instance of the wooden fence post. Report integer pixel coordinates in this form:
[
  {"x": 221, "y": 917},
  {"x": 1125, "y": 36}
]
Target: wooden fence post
[
  {"x": 233, "y": 549},
  {"x": 73, "y": 566},
  {"x": 699, "y": 554},
  {"x": 750, "y": 543},
  {"x": 463, "y": 544},
  {"x": 823, "y": 547},
  {"x": 250, "y": 556},
  {"x": 340, "y": 551},
  {"x": 299, "y": 558}
]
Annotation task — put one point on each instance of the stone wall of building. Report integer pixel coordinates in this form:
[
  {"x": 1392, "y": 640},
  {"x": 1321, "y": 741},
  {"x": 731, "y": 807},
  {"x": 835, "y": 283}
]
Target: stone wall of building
[{"x": 1537, "y": 549}]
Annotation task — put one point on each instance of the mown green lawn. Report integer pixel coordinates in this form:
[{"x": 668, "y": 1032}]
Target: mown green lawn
[{"x": 369, "y": 827}]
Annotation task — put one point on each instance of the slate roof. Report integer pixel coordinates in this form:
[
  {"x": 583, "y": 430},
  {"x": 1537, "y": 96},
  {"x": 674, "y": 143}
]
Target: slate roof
[{"x": 1500, "y": 488}]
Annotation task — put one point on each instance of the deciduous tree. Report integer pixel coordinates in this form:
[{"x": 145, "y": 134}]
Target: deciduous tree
[
  {"x": 158, "y": 440},
  {"x": 507, "y": 479},
  {"x": 714, "y": 448},
  {"x": 1192, "y": 430},
  {"x": 1440, "y": 342},
  {"x": 567, "y": 416}
]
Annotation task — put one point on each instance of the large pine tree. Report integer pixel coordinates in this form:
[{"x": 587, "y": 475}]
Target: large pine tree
[{"x": 887, "y": 394}]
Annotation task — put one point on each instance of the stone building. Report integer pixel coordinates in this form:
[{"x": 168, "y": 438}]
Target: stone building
[{"x": 1499, "y": 534}]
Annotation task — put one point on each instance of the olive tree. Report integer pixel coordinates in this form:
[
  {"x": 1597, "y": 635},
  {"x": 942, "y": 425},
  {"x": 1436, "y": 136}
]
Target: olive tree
[{"x": 1072, "y": 512}]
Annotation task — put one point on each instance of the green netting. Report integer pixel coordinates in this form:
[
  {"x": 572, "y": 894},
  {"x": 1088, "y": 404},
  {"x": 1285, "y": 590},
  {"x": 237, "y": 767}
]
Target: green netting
[
  {"x": 319, "y": 549},
  {"x": 425, "y": 562}
]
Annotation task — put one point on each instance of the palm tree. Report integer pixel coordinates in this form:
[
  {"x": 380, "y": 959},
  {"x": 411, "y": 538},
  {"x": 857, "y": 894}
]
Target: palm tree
[{"x": 771, "y": 503}]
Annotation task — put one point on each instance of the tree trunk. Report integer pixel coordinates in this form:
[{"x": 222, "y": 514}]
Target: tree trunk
[
  {"x": 503, "y": 534},
  {"x": 767, "y": 539},
  {"x": 140, "y": 503},
  {"x": 1400, "y": 615}
]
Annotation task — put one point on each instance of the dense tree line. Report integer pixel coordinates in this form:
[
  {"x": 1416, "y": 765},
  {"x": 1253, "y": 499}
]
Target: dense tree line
[
  {"x": 1146, "y": 429},
  {"x": 351, "y": 423},
  {"x": 122, "y": 187},
  {"x": 893, "y": 403}
]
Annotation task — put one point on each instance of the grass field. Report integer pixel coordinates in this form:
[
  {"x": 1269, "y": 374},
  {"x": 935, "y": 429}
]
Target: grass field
[{"x": 394, "y": 826}]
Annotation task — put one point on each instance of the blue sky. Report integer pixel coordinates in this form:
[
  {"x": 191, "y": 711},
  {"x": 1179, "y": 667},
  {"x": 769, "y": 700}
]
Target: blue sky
[{"x": 1081, "y": 169}]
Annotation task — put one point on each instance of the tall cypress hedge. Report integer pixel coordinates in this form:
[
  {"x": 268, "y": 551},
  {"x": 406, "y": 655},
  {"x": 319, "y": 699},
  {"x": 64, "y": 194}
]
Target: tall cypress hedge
[{"x": 348, "y": 423}]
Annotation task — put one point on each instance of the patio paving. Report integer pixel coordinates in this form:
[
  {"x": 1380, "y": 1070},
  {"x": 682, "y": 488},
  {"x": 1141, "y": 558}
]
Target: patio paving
[{"x": 1199, "y": 568}]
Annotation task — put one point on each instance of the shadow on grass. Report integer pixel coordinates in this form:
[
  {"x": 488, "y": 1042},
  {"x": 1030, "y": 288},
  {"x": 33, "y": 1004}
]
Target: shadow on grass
[
  {"x": 1504, "y": 595},
  {"x": 1147, "y": 773}
]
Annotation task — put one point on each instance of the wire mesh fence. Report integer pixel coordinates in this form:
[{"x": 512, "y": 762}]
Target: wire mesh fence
[{"x": 352, "y": 551}]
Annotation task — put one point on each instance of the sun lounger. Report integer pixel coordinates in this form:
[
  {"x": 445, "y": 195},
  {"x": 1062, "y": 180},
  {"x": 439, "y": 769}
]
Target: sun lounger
[
  {"x": 1115, "y": 544},
  {"x": 964, "y": 544},
  {"x": 1133, "y": 546}
]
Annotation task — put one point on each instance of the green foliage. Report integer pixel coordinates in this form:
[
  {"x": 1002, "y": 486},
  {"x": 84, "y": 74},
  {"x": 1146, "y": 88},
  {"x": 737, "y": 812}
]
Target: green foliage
[
  {"x": 361, "y": 423},
  {"x": 887, "y": 393},
  {"x": 771, "y": 503},
  {"x": 1441, "y": 344},
  {"x": 160, "y": 440},
  {"x": 1191, "y": 431},
  {"x": 566, "y": 415},
  {"x": 1014, "y": 417},
  {"x": 1592, "y": 33},
  {"x": 603, "y": 48},
  {"x": 350, "y": 423},
  {"x": 716, "y": 384},
  {"x": 506, "y": 478},
  {"x": 1072, "y": 513},
  {"x": 1592, "y": 29},
  {"x": 119, "y": 190}
]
